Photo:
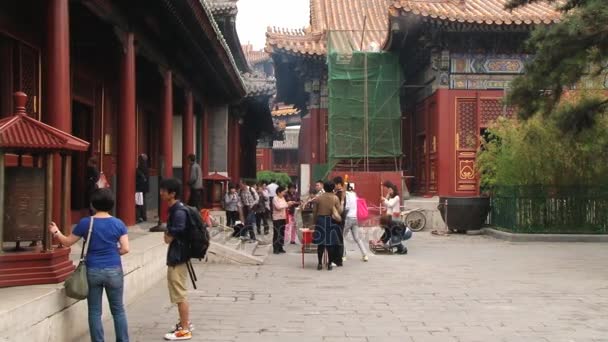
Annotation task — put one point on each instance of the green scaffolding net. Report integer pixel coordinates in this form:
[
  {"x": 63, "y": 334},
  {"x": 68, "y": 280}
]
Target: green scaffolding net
[{"x": 364, "y": 112}]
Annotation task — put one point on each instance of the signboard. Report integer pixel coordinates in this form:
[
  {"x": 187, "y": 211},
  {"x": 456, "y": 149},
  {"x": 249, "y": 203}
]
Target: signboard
[{"x": 24, "y": 204}]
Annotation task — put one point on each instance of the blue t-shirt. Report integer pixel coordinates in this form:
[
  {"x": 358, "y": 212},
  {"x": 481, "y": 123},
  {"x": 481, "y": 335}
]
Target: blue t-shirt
[{"x": 103, "y": 250}]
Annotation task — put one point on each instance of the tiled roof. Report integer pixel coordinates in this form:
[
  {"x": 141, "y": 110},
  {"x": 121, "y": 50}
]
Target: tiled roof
[
  {"x": 26, "y": 133},
  {"x": 488, "y": 12},
  {"x": 222, "y": 40},
  {"x": 285, "y": 111},
  {"x": 259, "y": 85},
  {"x": 344, "y": 16},
  {"x": 255, "y": 56},
  {"x": 223, "y": 7}
]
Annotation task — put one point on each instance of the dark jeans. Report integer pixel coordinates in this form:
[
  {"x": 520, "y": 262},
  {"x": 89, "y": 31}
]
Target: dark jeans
[
  {"x": 249, "y": 222},
  {"x": 278, "y": 236},
  {"x": 196, "y": 195},
  {"x": 262, "y": 218},
  {"x": 338, "y": 250},
  {"x": 231, "y": 218},
  {"x": 332, "y": 253},
  {"x": 112, "y": 280},
  {"x": 141, "y": 212}
]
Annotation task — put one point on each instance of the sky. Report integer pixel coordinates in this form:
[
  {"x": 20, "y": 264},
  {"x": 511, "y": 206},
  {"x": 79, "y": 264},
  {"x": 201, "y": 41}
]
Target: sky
[{"x": 256, "y": 15}]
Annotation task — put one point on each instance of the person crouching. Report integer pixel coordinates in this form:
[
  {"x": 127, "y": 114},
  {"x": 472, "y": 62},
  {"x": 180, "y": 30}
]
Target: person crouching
[{"x": 395, "y": 232}]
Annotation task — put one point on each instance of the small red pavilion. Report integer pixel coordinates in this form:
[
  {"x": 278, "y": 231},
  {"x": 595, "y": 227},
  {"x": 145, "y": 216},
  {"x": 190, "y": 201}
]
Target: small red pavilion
[{"x": 26, "y": 205}]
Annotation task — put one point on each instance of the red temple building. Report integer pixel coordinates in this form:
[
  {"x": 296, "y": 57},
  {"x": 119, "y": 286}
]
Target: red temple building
[
  {"x": 165, "y": 78},
  {"x": 456, "y": 60}
]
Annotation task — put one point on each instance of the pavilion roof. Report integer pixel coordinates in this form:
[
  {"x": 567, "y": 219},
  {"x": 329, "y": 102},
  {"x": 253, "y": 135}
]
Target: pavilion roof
[
  {"x": 22, "y": 132},
  {"x": 484, "y": 12},
  {"x": 345, "y": 16},
  {"x": 285, "y": 111}
]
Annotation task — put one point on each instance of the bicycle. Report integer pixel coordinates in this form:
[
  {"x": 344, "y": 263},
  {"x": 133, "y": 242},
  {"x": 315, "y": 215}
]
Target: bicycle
[{"x": 414, "y": 218}]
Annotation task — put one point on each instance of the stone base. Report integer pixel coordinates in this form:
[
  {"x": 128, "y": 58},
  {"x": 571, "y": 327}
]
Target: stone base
[{"x": 34, "y": 267}]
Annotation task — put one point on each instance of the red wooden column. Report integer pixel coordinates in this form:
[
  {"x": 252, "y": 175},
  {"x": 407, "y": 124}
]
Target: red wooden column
[
  {"x": 57, "y": 85},
  {"x": 187, "y": 141},
  {"x": 166, "y": 134},
  {"x": 127, "y": 144},
  {"x": 205, "y": 132},
  {"x": 204, "y": 154}
]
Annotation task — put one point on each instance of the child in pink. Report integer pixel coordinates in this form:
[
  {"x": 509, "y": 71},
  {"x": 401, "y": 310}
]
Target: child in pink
[{"x": 290, "y": 228}]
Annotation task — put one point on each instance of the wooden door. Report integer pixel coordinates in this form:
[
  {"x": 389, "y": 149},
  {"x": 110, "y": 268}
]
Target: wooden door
[{"x": 82, "y": 127}]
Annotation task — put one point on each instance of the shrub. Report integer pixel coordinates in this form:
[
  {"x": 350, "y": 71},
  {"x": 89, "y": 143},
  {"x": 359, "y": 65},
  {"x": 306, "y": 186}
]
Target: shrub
[{"x": 280, "y": 177}]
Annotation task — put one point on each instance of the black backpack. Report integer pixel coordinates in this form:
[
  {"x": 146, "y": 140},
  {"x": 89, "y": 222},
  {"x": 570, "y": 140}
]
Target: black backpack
[{"x": 197, "y": 235}]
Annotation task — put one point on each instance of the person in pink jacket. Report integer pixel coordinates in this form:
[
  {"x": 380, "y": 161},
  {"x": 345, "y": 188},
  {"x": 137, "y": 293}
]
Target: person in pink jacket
[{"x": 279, "y": 219}]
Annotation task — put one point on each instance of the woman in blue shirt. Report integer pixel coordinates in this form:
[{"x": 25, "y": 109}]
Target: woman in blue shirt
[{"x": 108, "y": 242}]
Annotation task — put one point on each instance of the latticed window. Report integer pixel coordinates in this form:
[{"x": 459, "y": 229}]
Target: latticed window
[
  {"x": 467, "y": 124},
  {"x": 27, "y": 74},
  {"x": 20, "y": 69},
  {"x": 492, "y": 109}
]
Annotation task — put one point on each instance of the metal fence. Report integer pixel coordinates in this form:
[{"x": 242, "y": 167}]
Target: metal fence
[{"x": 542, "y": 209}]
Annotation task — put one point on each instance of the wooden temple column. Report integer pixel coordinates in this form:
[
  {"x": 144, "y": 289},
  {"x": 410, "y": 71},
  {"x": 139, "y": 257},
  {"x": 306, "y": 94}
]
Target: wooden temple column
[
  {"x": 127, "y": 151},
  {"x": 166, "y": 135},
  {"x": 66, "y": 226},
  {"x": 205, "y": 132},
  {"x": 187, "y": 141},
  {"x": 57, "y": 92},
  {"x": 48, "y": 192}
]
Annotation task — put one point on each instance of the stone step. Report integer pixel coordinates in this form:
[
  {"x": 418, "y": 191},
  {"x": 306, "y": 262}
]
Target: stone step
[
  {"x": 262, "y": 251},
  {"x": 222, "y": 254},
  {"x": 221, "y": 235}
]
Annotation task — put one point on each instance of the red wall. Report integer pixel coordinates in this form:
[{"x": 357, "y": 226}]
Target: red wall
[
  {"x": 263, "y": 158},
  {"x": 305, "y": 141}
]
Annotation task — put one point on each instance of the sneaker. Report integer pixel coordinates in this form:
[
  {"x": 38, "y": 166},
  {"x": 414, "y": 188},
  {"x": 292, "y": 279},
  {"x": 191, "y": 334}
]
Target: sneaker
[
  {"x": 182, "y": 334},
  {"x": 178, "y": 327},
  {"x": 365, "y": 258}
]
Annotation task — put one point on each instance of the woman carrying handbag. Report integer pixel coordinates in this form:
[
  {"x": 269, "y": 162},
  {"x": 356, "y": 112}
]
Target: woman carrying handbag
[{"x": 107, "y": 241}]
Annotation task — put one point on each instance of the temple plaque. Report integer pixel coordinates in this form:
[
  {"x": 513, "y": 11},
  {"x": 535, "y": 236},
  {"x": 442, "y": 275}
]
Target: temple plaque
[{"x": 24, "y": 204}]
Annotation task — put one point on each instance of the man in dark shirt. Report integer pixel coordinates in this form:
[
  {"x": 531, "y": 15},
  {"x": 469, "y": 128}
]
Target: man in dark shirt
[
  {"x": 177, "y": 257},
  {"x": 339, "y": 191}
]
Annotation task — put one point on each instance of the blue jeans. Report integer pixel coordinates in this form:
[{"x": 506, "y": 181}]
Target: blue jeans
[{"x": 112, "y": 279}]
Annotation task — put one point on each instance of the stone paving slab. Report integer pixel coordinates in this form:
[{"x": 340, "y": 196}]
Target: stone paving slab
[{"x": 457, "y": 288}]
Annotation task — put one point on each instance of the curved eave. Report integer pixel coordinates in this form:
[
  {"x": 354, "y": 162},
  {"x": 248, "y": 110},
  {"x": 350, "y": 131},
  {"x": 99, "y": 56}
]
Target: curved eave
[
  {"x": 296, "y": 42},
  {"x": 204, "y": 17},
  {"x": 538, "y": 16}
]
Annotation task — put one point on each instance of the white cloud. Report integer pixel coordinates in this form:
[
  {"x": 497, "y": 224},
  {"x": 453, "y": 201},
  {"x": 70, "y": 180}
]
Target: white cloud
[{"x": 256, "y": 15}]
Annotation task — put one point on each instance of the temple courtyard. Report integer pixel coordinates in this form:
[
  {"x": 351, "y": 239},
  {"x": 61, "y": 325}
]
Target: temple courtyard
[{"x": 454, "y": 288}]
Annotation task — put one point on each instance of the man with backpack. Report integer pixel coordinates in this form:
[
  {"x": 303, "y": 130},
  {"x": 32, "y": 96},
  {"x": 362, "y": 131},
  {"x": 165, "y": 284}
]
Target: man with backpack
[{"x": 178, "y": 257}]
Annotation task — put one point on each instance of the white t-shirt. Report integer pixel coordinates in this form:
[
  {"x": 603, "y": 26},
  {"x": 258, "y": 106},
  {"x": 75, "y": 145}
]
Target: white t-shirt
[
  {"x": 351, "y": 204},
  {"x": 392, "y": 206},
  {"x": 272, "y": 189}
]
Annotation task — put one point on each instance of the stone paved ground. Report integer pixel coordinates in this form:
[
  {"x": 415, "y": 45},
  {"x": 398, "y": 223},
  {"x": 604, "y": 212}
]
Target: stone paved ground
[{"x": 457, "y": 288}]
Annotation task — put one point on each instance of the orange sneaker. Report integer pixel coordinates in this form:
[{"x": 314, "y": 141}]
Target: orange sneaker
[{"x": 179, "y": 334}]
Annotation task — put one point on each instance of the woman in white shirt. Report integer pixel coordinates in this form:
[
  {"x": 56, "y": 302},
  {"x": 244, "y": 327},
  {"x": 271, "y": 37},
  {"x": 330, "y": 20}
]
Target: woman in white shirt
[
  {"x": 391, "y": 201},
  {"x": 351, "y": 224}
]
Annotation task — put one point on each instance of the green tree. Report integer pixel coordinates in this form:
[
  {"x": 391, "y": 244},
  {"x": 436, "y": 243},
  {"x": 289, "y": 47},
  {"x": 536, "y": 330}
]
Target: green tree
[
  {"x": 280, "y": 177},
  {"x": 537, "y": 152},
  {"x": 566, "y": 53}
]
